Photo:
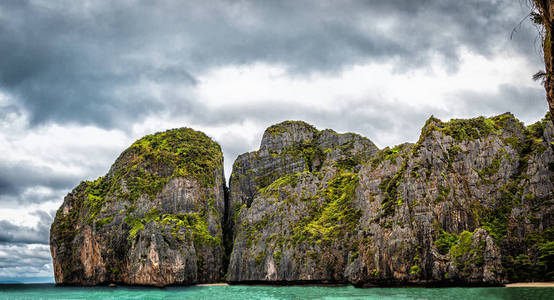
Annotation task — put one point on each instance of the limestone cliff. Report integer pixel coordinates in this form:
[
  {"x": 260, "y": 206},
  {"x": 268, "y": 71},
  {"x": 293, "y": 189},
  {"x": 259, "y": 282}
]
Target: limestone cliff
[
  {"x": 470, "y": 203},
  {"x": 154, "y": 219},
  {"x": 291, "y": 147}
]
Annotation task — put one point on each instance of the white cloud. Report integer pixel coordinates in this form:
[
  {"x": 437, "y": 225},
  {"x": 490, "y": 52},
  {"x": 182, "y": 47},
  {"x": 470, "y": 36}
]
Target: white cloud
[
  {"x": 25, "y": 261},
  {"x": 367, "y": 87},
  {"x": 25, "y": 215}
]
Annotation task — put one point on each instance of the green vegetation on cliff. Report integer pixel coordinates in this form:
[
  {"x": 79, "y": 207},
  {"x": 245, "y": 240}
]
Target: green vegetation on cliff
[
  {"x": 471, "y": 129},
  {"x": 174, "y": 153},
  {"x": 473, "y": 190},
  {"x": 150, "y": 162},
  {"x": 522, "y": 262},
  {"x": 466, "y": 255},
  {"x": 328, "y": 213},
  {"x": 445, "y": 241},
  {"x": 283, "y": 127},
  {"x": 336, "y": 216},
  {"x": 537, "y": 267},
  {"x": 132, "y": 215},
  {"x": 276, "y": 186},
  {"x": 468, "y": 129},
  {"x": 301, "y": 148},
  {"x": 389, "y": 154},
  {"x": 330, "y": 217},
  {"x": 195, "y": 223}
]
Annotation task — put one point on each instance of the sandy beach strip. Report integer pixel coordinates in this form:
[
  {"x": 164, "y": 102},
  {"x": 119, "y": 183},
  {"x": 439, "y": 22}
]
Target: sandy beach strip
[
  {"x": 212, "y": 284},
  {"x": 531, "y": 284}
]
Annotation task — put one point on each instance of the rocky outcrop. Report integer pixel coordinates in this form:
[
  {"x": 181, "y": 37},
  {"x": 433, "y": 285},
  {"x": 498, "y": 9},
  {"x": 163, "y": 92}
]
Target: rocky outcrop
[
  {"x": 492, "y": 177},
  {"x": 154, "y": 219},
  {"x": 469, "y": 203},
  {"x": 275, "y": 189},
  {"x": 290, "y": 147}
]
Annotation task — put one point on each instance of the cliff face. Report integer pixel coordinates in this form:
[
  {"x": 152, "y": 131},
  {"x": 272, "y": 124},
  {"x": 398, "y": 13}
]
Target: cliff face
[
  {"x": 470, "y": 202},
  {"x": 154, "y": 219},
  {"x": 296, "y": 175},
  {"x": 289, "y": 148},
  {"x": 461, "y": 205}
]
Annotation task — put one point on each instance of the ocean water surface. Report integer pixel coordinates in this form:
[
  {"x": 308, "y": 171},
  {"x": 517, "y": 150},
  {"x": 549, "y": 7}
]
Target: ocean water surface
[{"x": 242, "y": 292}]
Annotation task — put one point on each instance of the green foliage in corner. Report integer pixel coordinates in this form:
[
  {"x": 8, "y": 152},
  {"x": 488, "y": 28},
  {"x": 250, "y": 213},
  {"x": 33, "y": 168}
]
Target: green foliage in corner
[{"x": 537, "y": 262}]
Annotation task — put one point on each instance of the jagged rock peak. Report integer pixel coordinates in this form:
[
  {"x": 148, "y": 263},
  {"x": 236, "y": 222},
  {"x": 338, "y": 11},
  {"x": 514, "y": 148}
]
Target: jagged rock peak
[
  {"x": 474, "y": 128},
  {"x": 296, "y": 146},
  {"x": 287, "y": 133}
]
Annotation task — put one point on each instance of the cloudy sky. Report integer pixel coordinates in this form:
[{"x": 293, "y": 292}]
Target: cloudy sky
[{"x": 81, "y": 80}]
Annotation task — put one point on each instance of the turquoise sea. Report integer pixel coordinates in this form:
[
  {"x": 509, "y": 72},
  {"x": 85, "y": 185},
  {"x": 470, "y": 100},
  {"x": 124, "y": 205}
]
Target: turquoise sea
[{"x": 241, "y": 292}]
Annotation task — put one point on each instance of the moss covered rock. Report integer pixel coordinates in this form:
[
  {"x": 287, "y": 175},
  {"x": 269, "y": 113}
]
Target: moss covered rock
[
  {"x": 296, "y": 200},
  {"x": 154, "y": 219},
  {"x": 470, "y": 203},
  {"x": 461, "y": 205}
]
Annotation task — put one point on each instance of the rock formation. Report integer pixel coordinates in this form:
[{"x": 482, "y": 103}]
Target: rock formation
[
  {"x": 470, "y": 203},
  {"x": 154, "y": 219},
  {"x": 289, "y": 148}
]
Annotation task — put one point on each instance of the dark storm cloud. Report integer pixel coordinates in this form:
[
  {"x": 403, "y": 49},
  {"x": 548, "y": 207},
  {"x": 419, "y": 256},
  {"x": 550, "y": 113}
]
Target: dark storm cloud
[
  {"x": 11, "y": 233},
  {"x": 99, "y": 62},
  {"x": 16, "y": 177}
]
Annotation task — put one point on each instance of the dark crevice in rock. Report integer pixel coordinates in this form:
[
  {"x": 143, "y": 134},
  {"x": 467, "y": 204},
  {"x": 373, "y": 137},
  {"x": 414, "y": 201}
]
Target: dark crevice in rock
[{"x": 227, "y": 231}]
